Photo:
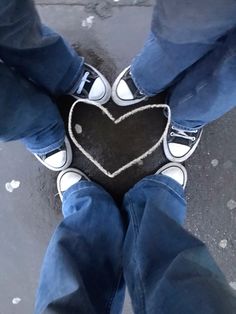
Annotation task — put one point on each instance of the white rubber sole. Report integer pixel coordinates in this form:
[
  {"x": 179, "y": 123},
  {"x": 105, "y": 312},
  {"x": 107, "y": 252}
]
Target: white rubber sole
[
  {"x": 107, "y": 95},
  {"x": 117, "y": 99},
  {"x": 68, "y": 159},
  {"x": 62, "y": 173},
  {"x": 178, "y": 165},
  {"x": 170, "y": 157}
]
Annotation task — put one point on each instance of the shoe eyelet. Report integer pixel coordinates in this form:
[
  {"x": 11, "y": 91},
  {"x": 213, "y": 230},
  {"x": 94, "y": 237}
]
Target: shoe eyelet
[
  {"x": 193, "y": 138},
  {"x": 172, "y": 134}
]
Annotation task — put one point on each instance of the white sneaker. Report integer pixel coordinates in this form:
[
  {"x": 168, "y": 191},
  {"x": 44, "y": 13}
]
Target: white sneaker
[
  {"x": 67, "y": 178},
  {"x": 124, "y": 90},
  {"x": 175, "y": 171},
  {"x": 59, "y": 159},
  {"x": 93, "y": 86},
  {"x": 179, "y": 145}
]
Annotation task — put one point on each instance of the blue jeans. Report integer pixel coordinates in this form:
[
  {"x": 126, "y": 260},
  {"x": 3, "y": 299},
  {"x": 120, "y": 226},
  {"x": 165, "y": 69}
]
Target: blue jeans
[
  {"x": 36, "y": 63},
  {"x": 192, "y": 48},
  {"x": 97, "y": 249}
]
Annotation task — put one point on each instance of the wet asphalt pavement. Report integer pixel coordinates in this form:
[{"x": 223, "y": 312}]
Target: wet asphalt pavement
[{"x": 30, "y": 213}]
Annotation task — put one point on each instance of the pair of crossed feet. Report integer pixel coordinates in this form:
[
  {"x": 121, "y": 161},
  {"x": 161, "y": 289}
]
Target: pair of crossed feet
[{"x": 178, "y": 145}]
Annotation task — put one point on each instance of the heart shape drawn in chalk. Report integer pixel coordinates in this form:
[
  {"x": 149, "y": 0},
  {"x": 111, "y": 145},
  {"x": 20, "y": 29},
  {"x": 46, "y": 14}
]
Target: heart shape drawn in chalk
[{"x": 127, "y": 115}]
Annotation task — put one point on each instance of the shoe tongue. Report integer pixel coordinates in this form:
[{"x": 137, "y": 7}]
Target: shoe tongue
[
  {"x": 183, "y": 137},
  {"x": 54, "y": 152},
  {"x": 190, "y": 133},
  {"x": 182, "y": 141},
  {"x": 133, "y": 88}
]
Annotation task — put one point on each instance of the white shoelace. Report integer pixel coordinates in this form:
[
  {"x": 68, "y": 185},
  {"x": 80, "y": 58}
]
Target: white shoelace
[
  {"x": 83, "y": 81},
  {"x": 182, "y": 134}
]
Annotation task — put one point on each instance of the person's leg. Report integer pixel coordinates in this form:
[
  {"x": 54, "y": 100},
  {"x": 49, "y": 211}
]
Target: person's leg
[
  {"x": 179, "y": 37},
  {"x": 155, "y": 68},
  {"x": 166, "y": 269},
  {"x": 82, "y": 269},
  {"x": 163, "y": 61},
  {"x": 207, "y": 90},
  {"x": 29, "y": 115},
  {"x": 205, "y": 93},
  {"x": 44, "y": 56}
]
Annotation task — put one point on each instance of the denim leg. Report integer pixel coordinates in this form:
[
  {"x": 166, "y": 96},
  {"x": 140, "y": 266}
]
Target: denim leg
[
  {"x": 167, "y": 270},
  {"x": 193, "y": 21},
  {"x": 82, "y": 269},
  {"x": 36, "y": 51},
  {"x": 181, "y": 34},
  {"x": 207, "y": 91},
  {"x": 160, "y": 62},
  {"x": 28, "y": 114}
]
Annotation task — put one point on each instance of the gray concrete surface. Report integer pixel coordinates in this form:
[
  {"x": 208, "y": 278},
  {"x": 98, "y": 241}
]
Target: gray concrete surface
[{"x": 29, "y": 214}]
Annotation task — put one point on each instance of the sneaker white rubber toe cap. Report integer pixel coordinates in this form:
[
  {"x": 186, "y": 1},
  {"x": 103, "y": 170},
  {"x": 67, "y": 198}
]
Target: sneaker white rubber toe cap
[
  {"x": 101, "y": 89},
  {"x": 123, "y": 91},
  {"x": 60, "y": 160},
  {"x": 98, "y": 90},
  {"x": 175, "y": 171},
  {"x": 57, "y": 160},
  {"x": 68, "y": 178},
  {"x": 178, "y": 150}
]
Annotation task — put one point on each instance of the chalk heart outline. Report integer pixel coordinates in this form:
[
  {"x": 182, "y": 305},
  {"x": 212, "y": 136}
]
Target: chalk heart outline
[{"x": 117, "y": 121}]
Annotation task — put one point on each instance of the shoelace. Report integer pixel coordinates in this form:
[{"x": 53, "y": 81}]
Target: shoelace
[
  {"x": 182, "y": 134},
  {"x": 83, "y": 81}
]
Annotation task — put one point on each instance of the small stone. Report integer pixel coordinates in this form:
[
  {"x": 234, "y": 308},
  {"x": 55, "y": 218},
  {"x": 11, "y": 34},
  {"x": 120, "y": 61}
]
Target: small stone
[
  {"x": 11, "y": 186},
  {"x": 223, "y": 244},
  {"x": 16, "y": 300},
  {"x": 214, "y": 162},
  {"x": 78, "y": 129},
  {"x": 231, "y": 204},
  {"x": 88, "y": 22},
  {"x": 233, "y": 285}
]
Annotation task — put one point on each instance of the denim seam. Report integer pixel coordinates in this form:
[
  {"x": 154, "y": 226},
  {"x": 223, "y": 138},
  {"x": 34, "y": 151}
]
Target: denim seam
[
  {"x": 185, "y": 128},
  {"x": 191, "y": 94},
  {"x": 114, "y": 288},
  {"x": 187, "y": 97},
  {"x": 230, "y": 54},
  {"x": 135, "y": 223},
  {"x": 167, "y": 186},
  {"x": 109, "y": 303},
  {"x": 201, "y": 85},
  {"x": 179, "y": 126}
]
